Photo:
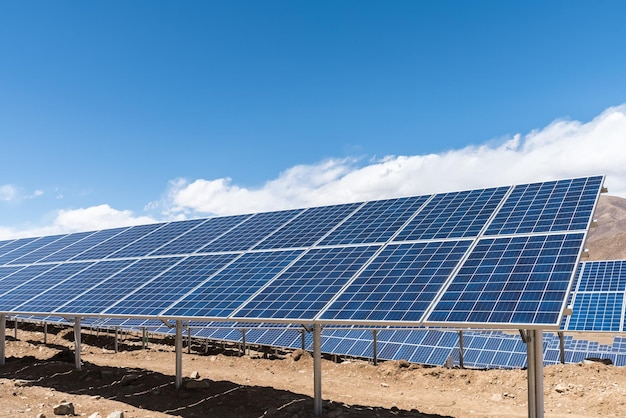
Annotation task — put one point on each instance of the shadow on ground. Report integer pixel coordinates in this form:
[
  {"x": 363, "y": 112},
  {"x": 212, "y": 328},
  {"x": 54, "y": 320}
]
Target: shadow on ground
[{"x": 154, "y": 391}]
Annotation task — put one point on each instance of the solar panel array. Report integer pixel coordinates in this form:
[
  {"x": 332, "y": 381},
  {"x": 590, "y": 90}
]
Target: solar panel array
[{"x": 490, "y": 257}]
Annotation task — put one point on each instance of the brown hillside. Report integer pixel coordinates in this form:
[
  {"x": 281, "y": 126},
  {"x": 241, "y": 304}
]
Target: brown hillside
[{"x": 607, "y": 241}]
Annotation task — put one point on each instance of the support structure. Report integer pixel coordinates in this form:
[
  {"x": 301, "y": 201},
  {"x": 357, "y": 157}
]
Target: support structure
[
  {"x": 3, "y": 331},
  {"x": 188, "y": 340},
  {"x": 243, "y": 342},
  {"x": 561, "y": 347},
  {"x": 15, "y": 329},
  {"x": 45, "y": 333},
  {"x": 317, "y": 370},
  {"x": 375, "y": 346},
  {"x": 144, "y": 338},
  {"x": 534, "y": 348},
  {"x": 117, "y": 330},
  {"x": 461, "y": 349},
  {"x": 77, "y": 343},
  {"x": 179, "y": 354}
]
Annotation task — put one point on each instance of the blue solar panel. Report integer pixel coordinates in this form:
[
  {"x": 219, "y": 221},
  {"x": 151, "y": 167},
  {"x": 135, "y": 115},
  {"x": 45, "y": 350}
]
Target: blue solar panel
[
  {"x": 253, "y": 230},
  {"x": 513, "y": 280},
  {"x": 67, "y": 290},
  {"x": 27, "y": 248},
  {"x": 309, "y": 284},
  {"x": 25, "y": 290},
  {"x": 6, "y": 271},
  {"x": 105, "y": 248},
  {"x": 603, "y": 276},
  {"x": 228, "y": 289},
  {"x": 453, "y": 215},
  {"x": 22, "y": 276},
  {"x": 82, "y": 245},
  {"x": 400, "y": 283},
  {"x": 50, "y": 248},
  {"x": 597, "y": 312},
  {"x": 197, "y": 238},
  {"x": 109, "y": 291},
  {"x": 375, "y": 222},
  {"x": 4, "y": 243},
  {"x": 171, "y": 285},
  {"x": 156, "y": 239},
  {"x": 565, "y": 205},
  {"x": 12, "y": 245},
  {"x": 308, "y": 228}
]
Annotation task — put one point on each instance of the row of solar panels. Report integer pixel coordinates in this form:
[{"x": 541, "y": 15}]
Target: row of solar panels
[
  {"x": 485, "y": 257},
  {"x": 481, "y": 349}
]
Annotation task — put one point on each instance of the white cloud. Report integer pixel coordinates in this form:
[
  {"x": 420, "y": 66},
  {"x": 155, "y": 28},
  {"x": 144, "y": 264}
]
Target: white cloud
[
  {"x": 8, "y": 193},
  {"x": 84, "y": 219},
  {"x": 562, "y": 149}
]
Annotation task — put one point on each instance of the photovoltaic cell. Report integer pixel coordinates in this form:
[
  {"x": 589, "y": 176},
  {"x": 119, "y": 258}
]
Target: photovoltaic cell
[
  {"x": 26, "y": 290},
  {"x": 375, "y": 222},
  {"x": 111, "y": 290},
  {"x": 513, "y": 280},
  {"x": 454, "y": 215},
  {"x": 7, "y": 271},
  {"x": 10, "y": 246},
  {"x": 194, "y": 240},
  {"x": 50, "y": 248},
  {"x": 565, "y": 205},
  {"x": 229, "y": 288},
  {"x": 105, "y": 248},
  {"x": 57, "y": 295},
  {"x": 250, "y": 232},
  {"x": 400, "y": 283},
  {"x": 308, "y": 285},
  {"x": 156, "y": 239},
  {"x": 171, "y": 285},
  {"x": 309, "y": 227},
  {"x": 82, "y": 245},
  {"x": 597, "y": 312}
]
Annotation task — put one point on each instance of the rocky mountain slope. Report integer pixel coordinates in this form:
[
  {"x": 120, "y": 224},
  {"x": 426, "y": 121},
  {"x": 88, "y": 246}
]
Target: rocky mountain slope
[{"x": 607, "y": 241}]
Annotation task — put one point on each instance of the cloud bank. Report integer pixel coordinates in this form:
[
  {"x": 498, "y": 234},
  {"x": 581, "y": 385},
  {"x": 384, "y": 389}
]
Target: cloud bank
[{"x": 565, "y": 148}]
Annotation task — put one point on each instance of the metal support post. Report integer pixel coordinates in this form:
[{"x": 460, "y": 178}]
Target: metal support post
[
  {"x": 15, "y": 329},
  {"x": 317, "y": 370},
  {"x": 243, "y": 342},
  {"x": 3, "y": 329},
  {"x": 303, "y": 335},
  {"x": 461, "y": 349},
  {"x": 45, "y": 333},
  {"x": 530, "y": 371},
  {"x": 561, "y": 347},
  {"x": 375, "y": 346},
  {"x": 188, "y": 340},
  {"x": 77, "y": 343},
  {"x": 179, "y": 354},
  {"x": 538, "y": 342},
  {"x": 116, "y": 339}
]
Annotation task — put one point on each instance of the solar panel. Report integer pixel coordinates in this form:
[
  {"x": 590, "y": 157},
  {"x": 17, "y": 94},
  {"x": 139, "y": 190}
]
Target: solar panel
[
  {"x": 228, "y": 289},
  {"x": 603, "y": 276},
  {"x": 520, "y": 280},
  {"x": 399, "y": 284},
  {"x": 454, "y": 215},
  {"x": 565, "y": 205},
  {"x": 170, "y": 286},
  {"x": 156, "y": 239},
  {"x": 109, "y": 291},
  {"x": 308, "y": 228},
  {"x": 12, "y": 245},
  {"x": 21, "y": 290},
  {"x": 306, "y": 286},
  {"x": 124, "y": 238},
  {"x": 50, "y": 248},
  {"x": 197, "y": 238},
  {"x": 375, "y": 222},
  {"x": 57, "y": 295},
  {"x": 27, "y": 248},
  {"x": 82, "y": 245},
  {"x": 247, "y": 234},
  {"x": 22, "y": 276}
]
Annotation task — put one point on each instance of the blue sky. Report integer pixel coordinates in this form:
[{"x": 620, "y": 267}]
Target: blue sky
[{"x": 119, "y": 112}]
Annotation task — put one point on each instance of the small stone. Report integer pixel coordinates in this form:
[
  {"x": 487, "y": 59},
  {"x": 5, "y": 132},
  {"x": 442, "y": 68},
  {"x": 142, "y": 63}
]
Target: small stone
[
  {"x": 560, "y": 388},
  {"x": 194, "y": 375},
  {"x": 128, "y": 379},
  {"x": 40, "y": 415},
  {"x": 95, "y": 415},
  {"x": 385, "y": 385},
  {"x": 21, "y": 383},
  {"x": 116, "y": 414},
  {"x": 64, "y": 408}
]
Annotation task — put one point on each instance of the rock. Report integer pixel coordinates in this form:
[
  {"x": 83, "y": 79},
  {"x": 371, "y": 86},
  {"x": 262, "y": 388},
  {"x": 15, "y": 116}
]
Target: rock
[
  {"x": 194, "y": 375},
  {"x": 21, "y": 383},
  {"x": 40, "y": 415},
  {"x": 403, "y": 363},
  {"x": 95, "y": 415},
  {"x": 196, "y": 384},
  {"x": 385, "y": 385},
  {"x": 560, "y": 388},
  {"x": 64, "y": 408},
  {"x": 116, "y": 414},
  {"x": 128, "y": 379},
  {"x": 591, "y": 360}
]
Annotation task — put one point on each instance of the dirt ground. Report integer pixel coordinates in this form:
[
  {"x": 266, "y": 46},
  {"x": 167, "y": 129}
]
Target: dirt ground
[{"x": 140, "y": 382}]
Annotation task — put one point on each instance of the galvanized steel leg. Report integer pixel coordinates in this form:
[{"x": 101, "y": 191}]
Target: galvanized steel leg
[
  {"x": 561, "y": 347},
  {"x": 538, "y": 342},
  {"x": 461, "y": 349},
  {"x": 3, "y": 330},
  {"x": 116, "y": 339},
  {"x": 179, "y": 354},
  {"x": 317, "y": 370},
  {"x": 45, "y": 333},
  {"x": 375, "y": 346},
  {"x": 77, "y": 343}
]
